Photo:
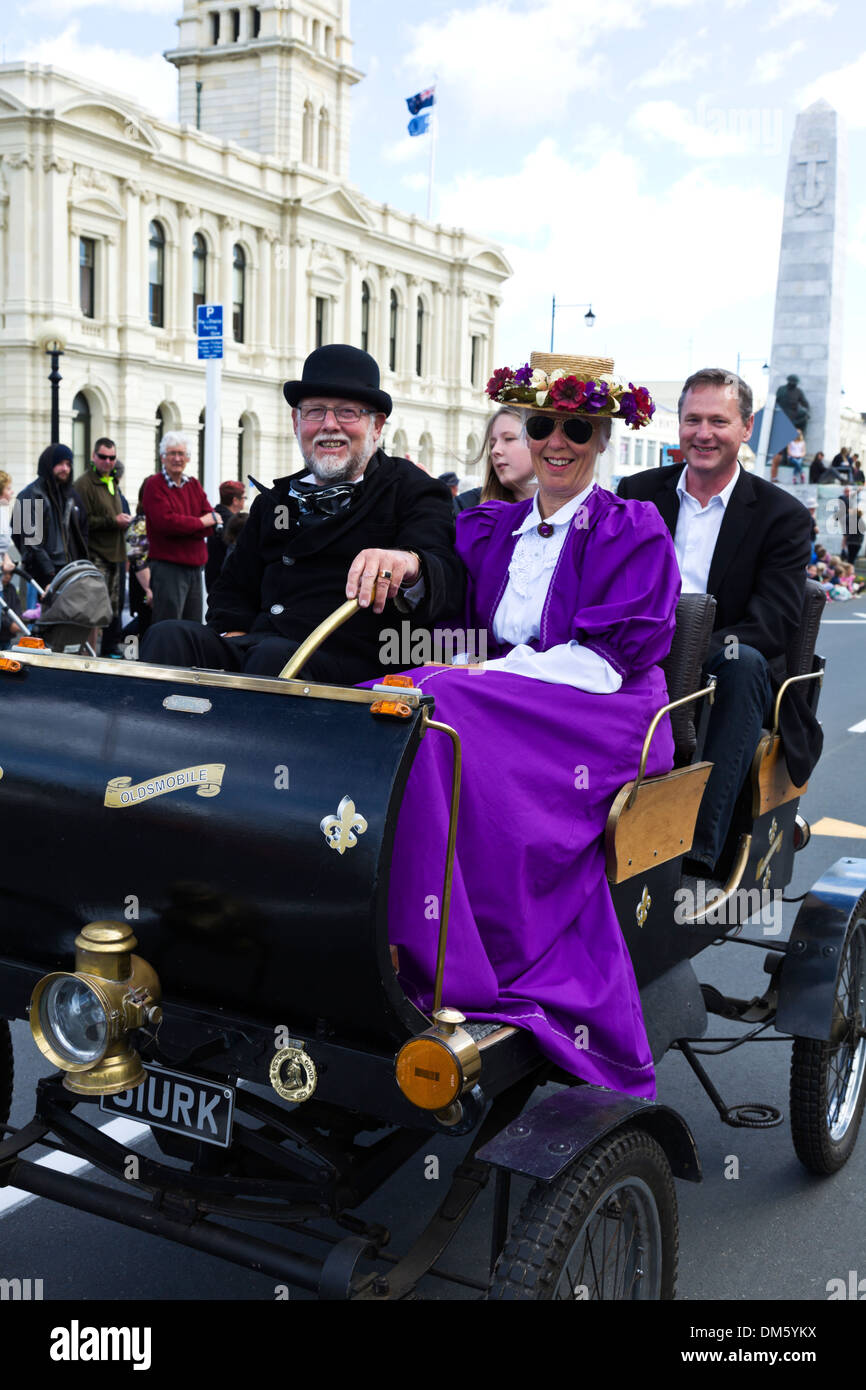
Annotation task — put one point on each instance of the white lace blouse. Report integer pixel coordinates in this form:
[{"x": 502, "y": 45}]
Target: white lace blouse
[{"x": 518, "y": 616}]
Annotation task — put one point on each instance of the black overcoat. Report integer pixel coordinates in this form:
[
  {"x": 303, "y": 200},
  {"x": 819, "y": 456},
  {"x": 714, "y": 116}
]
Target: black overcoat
[
  {"x": 285, "y": 575},
  {"x": 758, "y": 579}
]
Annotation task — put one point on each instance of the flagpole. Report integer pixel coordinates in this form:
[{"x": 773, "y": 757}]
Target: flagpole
[{"x": 434, "y": 121}]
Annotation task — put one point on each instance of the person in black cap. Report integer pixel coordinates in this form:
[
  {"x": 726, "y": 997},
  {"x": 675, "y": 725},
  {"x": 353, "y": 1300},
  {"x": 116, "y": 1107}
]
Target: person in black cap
[
  {"x": 353, "y": 523},
  {"x": 50, "y": 519}
]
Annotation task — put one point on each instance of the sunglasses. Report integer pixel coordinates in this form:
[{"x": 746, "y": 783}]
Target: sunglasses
[
  {"x": 107, "y": 458},
  {"x": 542, "y": 427}
]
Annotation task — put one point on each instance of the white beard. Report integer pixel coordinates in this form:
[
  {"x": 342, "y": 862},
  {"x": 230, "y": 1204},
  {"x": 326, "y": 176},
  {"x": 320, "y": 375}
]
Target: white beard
[{"x": 328, "y": 470}]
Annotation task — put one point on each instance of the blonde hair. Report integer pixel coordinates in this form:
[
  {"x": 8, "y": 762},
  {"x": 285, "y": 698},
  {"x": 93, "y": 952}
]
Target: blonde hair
[
  {"x": 5, "y": 480},
  {"x": 492, "y": 490}
]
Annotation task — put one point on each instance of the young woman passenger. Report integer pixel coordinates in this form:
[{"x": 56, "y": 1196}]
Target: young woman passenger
[{"x": 508, "y": 473}]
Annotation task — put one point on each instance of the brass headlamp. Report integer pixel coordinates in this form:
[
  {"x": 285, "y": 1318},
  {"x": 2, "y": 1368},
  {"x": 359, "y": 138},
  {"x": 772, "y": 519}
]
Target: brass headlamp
[{"x": 81, "y": 1019}]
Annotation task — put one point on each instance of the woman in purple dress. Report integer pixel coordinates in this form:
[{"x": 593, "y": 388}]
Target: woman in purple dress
[{"x": 574, "y": 594}]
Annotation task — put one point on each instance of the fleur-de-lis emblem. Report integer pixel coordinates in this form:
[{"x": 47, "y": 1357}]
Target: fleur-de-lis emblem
[
  {"x": 342, "y": 830},
  {"x": 643, "y": 907}
]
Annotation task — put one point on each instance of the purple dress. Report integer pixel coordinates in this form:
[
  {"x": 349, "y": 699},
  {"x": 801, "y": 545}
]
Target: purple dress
[{"x": 533, "y": 939}]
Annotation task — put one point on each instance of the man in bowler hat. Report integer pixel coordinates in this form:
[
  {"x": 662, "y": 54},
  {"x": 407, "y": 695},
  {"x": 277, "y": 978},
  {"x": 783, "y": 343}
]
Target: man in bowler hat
[{"x": 352, "y": 523}]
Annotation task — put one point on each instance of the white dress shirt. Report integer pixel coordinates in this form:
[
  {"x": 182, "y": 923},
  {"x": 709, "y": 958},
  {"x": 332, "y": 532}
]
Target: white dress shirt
[
  {"x": 518, "y": 617},
  {"x": 697, "y": 532}
]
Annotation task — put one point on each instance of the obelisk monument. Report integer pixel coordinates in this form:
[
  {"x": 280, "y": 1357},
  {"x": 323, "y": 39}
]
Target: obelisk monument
[{"x": 807, "y": 327}]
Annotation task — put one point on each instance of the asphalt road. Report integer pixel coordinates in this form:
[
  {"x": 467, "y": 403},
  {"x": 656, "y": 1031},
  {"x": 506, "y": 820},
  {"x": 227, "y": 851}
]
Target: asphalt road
[{"x": 773, "y": 1232}]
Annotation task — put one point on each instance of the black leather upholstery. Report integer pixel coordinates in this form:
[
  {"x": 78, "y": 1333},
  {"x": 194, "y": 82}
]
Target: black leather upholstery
[
  {"x": 801, "y": 649},
  {"x": 682, "y": 668}
]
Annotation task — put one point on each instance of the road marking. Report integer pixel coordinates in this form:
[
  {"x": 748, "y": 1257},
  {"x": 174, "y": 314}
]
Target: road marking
[
  {"x": 844, "y": 829},
  {"x": 123, "y": 1131},
  {"x": 841, "y": 622},
  {"x": 858, "y": 728}
]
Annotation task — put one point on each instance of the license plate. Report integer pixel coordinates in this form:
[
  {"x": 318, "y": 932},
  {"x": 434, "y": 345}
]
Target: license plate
[{"x": 186, "y": 1105}]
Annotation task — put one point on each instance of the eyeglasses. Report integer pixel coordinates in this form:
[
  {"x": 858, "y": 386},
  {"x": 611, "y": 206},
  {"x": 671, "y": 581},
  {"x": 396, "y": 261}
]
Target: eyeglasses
[
  {"x": 107, "y": 458},
  {"x": 542, "y": 427},
  {"x": 343, "y": 414}
]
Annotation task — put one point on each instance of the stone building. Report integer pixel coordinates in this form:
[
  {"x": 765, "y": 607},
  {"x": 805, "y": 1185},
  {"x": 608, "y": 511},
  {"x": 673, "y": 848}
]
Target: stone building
[{"x": 115, "y": 225}]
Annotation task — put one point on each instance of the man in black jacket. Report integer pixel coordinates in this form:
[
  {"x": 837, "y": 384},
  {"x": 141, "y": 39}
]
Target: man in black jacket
[
  {"x": 50, "y": 520},
  {"x": 747, "y": 543},
  {"x": 352, "y": 523}
]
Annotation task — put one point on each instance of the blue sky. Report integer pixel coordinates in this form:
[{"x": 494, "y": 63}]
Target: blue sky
[{"x": 632, "y": 153}]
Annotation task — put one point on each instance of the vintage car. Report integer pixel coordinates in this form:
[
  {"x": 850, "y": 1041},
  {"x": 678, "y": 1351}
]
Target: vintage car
[{"x": 223, "y": 974}]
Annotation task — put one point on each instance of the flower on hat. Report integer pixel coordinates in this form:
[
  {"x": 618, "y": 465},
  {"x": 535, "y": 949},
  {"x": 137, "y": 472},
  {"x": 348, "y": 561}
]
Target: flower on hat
[
  {"x": 567, "y": 393},
  {"x": 563, "y": 391}
]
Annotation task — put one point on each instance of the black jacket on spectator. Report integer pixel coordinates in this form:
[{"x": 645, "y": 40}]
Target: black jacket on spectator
[
  {"x": 758, "y": 579},
  {"x": 285, "y": 575},
  {"x": 59, "y": 517},
  {"x": 216, "y": 547}
]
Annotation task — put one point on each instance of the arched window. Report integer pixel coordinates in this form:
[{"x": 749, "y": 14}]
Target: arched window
[
  {"x": 419, "y": 339},
  {"x": 324, "y": 137},
  {"x": 200, "y": 459},
  {"x": 316, "y": 31},
  {"x": 239, "y": 265},
  {"x": 246, "y": 447},
  {"x": 156, "y": 275},
  {"x": 199, "y": 274},
  {"x": 400, "y": 447},
  {"x": 214, "y": 26},
  {"x": 257, "y": 21},
  {"x": 426, "y": 451},
  {"x": 80, "y": 433},
  {"x": 160, "y": 431},
  {"x": 365, "y": 316},
  {"x": 309, "y": 122},
  {"x": 392, "y": 332},
  {"x": 235, "y": 16}
]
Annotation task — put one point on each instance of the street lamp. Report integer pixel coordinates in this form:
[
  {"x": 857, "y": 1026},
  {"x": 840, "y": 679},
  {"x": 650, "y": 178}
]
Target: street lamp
[
  {"x": 588, "y": 318},
  {"x": 55, "y": 352}
]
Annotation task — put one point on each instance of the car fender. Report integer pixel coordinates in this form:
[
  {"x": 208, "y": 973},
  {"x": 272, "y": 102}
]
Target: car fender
[
  {"x": 542, "y": 1142},
  {"x": 810, "y": 968}
]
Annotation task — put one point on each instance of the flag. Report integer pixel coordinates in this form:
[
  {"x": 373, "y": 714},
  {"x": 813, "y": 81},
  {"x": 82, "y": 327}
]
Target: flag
[
  {"x": 419, "y": 125},
  {"x": 420, "y": 100}
]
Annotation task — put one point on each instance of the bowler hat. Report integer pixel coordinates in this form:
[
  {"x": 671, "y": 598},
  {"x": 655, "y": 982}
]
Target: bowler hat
[{"x": 342, "y": 371}]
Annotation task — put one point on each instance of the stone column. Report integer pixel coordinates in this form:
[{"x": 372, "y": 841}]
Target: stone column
[
  {"x": 187, "y": 215},
  {"x": 807, "y": 327}
]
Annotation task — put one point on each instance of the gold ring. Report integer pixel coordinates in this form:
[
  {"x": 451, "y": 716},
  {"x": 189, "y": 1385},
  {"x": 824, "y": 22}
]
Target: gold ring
[{"x": 384, "y": 574}]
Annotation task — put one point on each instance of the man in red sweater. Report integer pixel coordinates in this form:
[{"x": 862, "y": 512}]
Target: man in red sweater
[{"x": 179, "y": 517}]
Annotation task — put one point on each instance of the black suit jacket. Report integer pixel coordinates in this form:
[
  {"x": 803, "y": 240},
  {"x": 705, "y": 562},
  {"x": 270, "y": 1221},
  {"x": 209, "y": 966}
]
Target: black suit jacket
[
  {"x": 758, "y": 579},
  {"x": 300, "y": 568}
]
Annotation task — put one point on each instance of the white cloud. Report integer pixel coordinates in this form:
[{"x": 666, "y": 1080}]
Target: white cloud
[
  {"x": 683, "y": 255},
  {"x": 680, "y": 64},
  {"x": 507, "y": 64},
  {"x": 61, "y": 9},
  {"x": 148, "y": 81},
  {"x": 843, "y": 89},
  {"x": 796, "y": 9},
  {"x": 404, "y": 150},
  {"x": 770, "y": 66},
  {"x": 709, "y": 131}
]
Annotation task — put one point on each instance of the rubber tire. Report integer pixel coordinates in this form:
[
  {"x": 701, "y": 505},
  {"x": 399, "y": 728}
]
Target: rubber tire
[
  {"x": 811, "y": 1075},
  {"x": 554, "y": 1215},
  {"x": 7, "y": 1072}
]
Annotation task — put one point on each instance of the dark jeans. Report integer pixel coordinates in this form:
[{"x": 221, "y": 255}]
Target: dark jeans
[
  {"x": 742, "y": 704},
  {"x": 254, "y": 654},
  {"x": 176, "y": 591}
]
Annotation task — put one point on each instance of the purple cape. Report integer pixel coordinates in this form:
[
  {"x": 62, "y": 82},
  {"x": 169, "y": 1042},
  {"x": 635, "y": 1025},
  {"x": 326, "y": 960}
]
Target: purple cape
[{"x": 533, "y": 939}]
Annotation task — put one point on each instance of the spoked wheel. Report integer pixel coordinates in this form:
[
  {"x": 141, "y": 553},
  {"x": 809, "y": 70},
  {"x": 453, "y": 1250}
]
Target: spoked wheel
[
  {"x": 605, "y": 1229},
  {"x": 6, "y": 1072},
  {"x": 828, "y": 1079}
]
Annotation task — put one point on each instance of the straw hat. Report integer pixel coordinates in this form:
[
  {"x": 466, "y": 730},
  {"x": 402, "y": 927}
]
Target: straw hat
[{"x": 554, "y": 383}]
